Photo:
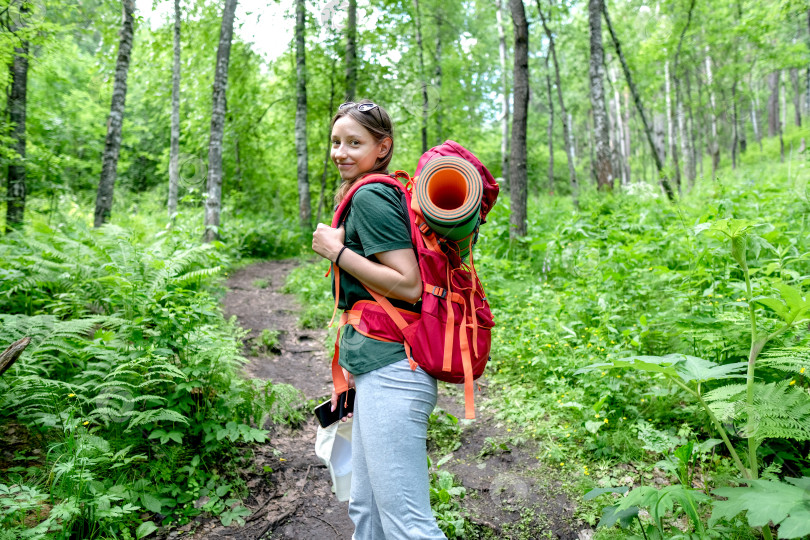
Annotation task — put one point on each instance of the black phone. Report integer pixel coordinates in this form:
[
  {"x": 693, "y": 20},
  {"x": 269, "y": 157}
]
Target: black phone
[{"x": 326, "y": 417}]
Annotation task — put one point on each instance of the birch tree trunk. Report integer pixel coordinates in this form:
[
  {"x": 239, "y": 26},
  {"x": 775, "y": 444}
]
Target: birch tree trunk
[
  {"x": 438, "y": 79},
  {"x": 550, "y": 131},
  {"x": 112, "y": 143},
  {"x": 569, "y": 127},
  {"x": 714, "y": 146},
  {"x": 678, "y": 100},
  {"x": 662, "y": 179},
  {"x": 326, "y": 160},
  {"x": 754, "y": 123},
  {"x": 304, "y": 205},
  {"x": 626, "y": 133},
  {"x": 741, "y": 127},
  {"x": 700, "y": 127},
  {"x": 517, "y": 160},
  {"x": 17, "y": 98},
  {"x": 783, "y": 120},
  {"x": 797, "y": 96},
  {"x": 174, "y": 145},
  {"x": 619, "y": 127},
  {"x": 671, "y": 135},
  {"x": 351, "y": 51},
  {"x": 602, "y": 166},
  {"x": 773, "y": 103},
  {"x": 564, "y": 116},
  {"x": 505, "y": 93},
  {"x": 213, "y": 203},
  {"x": 734, "y": 137},
  {"x": 422, "y": 80}
]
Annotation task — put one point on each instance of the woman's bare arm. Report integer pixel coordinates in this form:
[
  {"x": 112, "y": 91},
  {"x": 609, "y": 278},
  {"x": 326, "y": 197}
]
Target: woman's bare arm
[{"x": 395, "y": 276}]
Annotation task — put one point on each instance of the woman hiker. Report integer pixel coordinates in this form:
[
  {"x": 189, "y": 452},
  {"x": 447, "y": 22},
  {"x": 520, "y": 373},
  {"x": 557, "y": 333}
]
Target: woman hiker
[{"x": 390, "y": 486}]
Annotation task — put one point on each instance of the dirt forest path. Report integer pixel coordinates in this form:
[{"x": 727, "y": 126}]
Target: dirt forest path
[{"x": 509, "y": 495}]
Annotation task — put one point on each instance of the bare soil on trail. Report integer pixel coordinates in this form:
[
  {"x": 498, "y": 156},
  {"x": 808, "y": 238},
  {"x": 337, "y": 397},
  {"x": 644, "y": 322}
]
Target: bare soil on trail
[{"x": 509, "y": 494}]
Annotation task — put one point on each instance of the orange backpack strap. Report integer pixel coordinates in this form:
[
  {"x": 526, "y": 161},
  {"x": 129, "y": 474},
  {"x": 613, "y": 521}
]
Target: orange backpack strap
[
  {"x": 396, "y": 317},
  {"x": 338, "y": 380},
  {"x": 466, "y": 364}
]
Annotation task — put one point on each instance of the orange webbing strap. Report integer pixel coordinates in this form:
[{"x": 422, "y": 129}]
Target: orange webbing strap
[
  {"x": 466, "y": 363},
  {"x": 337, "y": 294},
  {"x": 430, "y": 239},
  {"x": 338, "y": 380},
  {"x": 448, "y": 328},
  {"x": 474, "y": 277},
  {"x": 396, "y": 317}
]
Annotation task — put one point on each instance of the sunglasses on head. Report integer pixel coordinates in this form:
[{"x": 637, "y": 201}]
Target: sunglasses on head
[{"x": 362, "y": 107}]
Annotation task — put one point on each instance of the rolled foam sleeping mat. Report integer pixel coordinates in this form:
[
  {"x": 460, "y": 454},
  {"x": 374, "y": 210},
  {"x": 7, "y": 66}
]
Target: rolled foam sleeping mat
[{"x": 449, "y": 193}]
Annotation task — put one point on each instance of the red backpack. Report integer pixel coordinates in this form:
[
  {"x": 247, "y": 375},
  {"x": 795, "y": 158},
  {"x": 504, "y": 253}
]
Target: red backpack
[{"x": 450, "y": 339}]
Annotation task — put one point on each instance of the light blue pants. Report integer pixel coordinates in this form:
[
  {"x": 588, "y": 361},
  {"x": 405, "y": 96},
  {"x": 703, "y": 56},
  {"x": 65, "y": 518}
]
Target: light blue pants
[{"x": 390, "y": 494}]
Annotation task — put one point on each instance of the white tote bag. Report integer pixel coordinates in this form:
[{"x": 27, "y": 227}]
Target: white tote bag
[{"x": 333, "y": 445}]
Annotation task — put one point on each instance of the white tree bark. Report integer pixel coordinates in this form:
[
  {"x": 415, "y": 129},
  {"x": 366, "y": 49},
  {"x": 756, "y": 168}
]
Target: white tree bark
[
  {"x": 213, "y": 203},
  {"x": 112, "y": 143},
  {"x": 174, "y": 150},
  {"x": 505, "y": 91},
  {"x": 304, "y": 204}
]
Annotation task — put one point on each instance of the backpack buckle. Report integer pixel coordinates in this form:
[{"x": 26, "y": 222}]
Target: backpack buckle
[
  {"x": 425, "y": 229},
  {"x": 441, "y": 292}
]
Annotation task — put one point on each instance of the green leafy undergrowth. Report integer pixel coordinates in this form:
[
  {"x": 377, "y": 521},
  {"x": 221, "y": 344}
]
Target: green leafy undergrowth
[{"x": 130, "y": 383}]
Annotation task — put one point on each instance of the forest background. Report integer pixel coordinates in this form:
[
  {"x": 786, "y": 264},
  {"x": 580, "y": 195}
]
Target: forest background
[{"x": 655, "y": 195}]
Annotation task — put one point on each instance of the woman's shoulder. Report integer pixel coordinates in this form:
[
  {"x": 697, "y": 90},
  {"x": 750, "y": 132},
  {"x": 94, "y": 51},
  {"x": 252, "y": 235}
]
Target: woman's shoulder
[{"x": 377, "y": 192}]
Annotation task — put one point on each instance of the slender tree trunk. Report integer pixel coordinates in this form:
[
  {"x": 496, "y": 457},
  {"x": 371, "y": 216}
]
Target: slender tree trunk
[
  {"x": 351, "y": 51},
  {"x": 626, "y": 134},
  {"x": 684, "y": 137},
  {"x": 678, "y": 101},
  {"x": 807, "y": 71},
  {"x": 438, "y": 79},
  {"x": 660, "y": 136},
  {"x": 304, "y": 204},
  {"x": 797, "y": 96},
  {"x": 671, "y": 134},
  {"x": 783, "y": 120},
  {"x": 505, "y": 93},
  {"x": 17, "y": 98},
  {"x": 619, "y": 127},
  {"x": 213, "y": 203},
  {"x": 174, "y": 145},
  {"x": 714, "y": 146},
  {"x": 112, "y": 143},
  {"x": 741, "y": 127},
  {"x": 517, "y": 160},
  {"x": 604, "y": 172},
  {"x": 734, "y": 136},
  {"x": 773, "y": 103},
  {"x": 326, "y": 160},
  {"x": 569, "y": 127},
  {"x": 422, "y": 77},
  {"x": 754, "y": 123},
  {"x": 637, "y": 100},
  {"x": 550, "y": 131},
  {"x": 564, "y": 116},
  {"x": 700, "y": 128}
]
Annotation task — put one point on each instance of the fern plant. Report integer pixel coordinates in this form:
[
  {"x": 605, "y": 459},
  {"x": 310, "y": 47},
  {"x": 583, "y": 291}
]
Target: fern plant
[
  {"x": 131, "y": 373},
  {"x": 761, "y": 410}
]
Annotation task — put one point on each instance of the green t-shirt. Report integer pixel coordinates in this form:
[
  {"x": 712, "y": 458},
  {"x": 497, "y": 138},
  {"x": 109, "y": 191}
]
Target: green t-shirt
[{"x": 377, "y": 221}]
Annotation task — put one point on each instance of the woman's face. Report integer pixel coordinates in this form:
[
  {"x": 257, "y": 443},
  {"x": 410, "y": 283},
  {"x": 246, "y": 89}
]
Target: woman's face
[{"x": 354, "y": 150}]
